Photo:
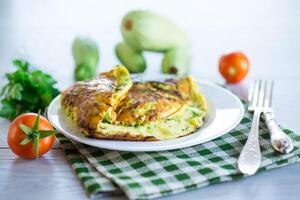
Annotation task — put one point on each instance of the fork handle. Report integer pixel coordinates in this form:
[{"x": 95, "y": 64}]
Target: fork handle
[
  {"x": 250, "y": 157},
  {"x": 280, "y": 141}
]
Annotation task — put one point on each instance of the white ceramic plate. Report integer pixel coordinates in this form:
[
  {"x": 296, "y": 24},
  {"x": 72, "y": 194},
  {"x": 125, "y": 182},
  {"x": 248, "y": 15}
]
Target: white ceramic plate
[{"x": 224, "y": 112}]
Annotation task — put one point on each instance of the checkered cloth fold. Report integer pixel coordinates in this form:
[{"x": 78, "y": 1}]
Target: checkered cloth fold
[{"x": 149, "y": 175}]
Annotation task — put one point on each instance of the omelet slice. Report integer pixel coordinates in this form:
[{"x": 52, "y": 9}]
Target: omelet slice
[
  {"x": 116, "y": 108},
  {"x": 90, "y": 102}
]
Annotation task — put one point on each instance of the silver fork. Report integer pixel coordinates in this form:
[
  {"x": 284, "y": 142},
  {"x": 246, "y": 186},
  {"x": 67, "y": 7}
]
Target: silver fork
[
  {"x": 260, "y": 101},
  {"x": 250, "y": 157},
  {"x": 280, "y": 141}
]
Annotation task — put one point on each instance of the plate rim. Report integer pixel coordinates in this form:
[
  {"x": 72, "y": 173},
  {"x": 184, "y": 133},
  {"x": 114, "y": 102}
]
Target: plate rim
[{"x": 158, "y": 148}]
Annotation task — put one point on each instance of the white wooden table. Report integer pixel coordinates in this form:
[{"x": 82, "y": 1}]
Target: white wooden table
[{"x": 42, "y": 31}]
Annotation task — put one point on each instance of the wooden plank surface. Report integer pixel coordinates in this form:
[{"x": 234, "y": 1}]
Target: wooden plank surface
[{"x": 51, "y": 177}]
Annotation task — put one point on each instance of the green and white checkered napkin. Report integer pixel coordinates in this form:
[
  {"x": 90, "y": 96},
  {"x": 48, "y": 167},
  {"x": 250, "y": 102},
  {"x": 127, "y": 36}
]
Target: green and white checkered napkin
[{"x": 155, "y": 174}]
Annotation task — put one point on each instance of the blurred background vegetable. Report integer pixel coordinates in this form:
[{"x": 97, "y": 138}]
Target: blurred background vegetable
[
  {"x": 147, "y": 31},
  {"x": 176, "y": 61},
  {"x": 131, "y": 58},
  {"x": 234, "y": 67},
  {"x": 86, "y": 57},
  {"x": 26, "y": 91}
]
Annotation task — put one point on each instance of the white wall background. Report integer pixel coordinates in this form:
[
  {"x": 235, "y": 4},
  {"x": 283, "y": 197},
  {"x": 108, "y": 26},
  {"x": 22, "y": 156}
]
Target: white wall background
[{"x": 267, "y": 31}]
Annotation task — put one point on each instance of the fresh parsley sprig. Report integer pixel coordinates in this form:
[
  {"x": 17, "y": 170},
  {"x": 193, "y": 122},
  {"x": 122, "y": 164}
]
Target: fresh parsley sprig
[{"x": 26, "y": 91}]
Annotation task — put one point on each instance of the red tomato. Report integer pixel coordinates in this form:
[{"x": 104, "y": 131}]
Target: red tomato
[
  {"x": 234, "y": 67},
  {"x": 16, "y": 135}
]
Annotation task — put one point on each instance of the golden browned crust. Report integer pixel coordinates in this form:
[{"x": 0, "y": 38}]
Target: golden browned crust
[{"x": 149, "y": 101}]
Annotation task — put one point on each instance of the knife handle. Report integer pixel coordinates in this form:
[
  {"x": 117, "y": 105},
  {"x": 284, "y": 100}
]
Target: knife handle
[
  {"x": 280, "y": 141},
  {"x": 250, "y": 157}
]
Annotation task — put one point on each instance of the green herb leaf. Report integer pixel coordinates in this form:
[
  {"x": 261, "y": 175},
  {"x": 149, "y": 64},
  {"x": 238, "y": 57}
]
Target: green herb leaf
[
  {"x": 15, "y": 92},
  {"x": 8, "y": 110},
  {"x": 5, "y": 90},
  {"x": 106, "y": 117},
  {"x": 22, "y": 64},
  {"x": 136, "y": 125},
  {"x": 26, "y": 91},
  {"x": 25, "y": 129},
  {"x": 46, "y": 133},
  {"x": 26, "y": 140}
]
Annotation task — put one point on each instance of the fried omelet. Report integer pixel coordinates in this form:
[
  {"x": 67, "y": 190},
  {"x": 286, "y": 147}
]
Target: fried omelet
[{"x": 111, "y": 106}]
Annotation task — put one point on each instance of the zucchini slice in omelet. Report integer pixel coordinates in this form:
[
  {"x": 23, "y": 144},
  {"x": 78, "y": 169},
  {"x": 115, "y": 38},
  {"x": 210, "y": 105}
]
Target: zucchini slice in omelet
[{"x": 113, "y": 107}]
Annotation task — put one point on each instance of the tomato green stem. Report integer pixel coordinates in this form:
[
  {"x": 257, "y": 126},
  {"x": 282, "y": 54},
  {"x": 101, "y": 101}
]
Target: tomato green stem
[{"x": 33, "y": 134}]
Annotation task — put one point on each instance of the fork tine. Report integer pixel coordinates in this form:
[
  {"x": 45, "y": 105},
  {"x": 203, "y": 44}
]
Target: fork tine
[
  {"x": 260, "y": 94},
  {"x": 250, "y": 93},
  {"x": 255, "y": 93},
  {"x": 268, "y": 98},
  {"x": 265, "y": 91},
  {"x": 271, "y": 94}
]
